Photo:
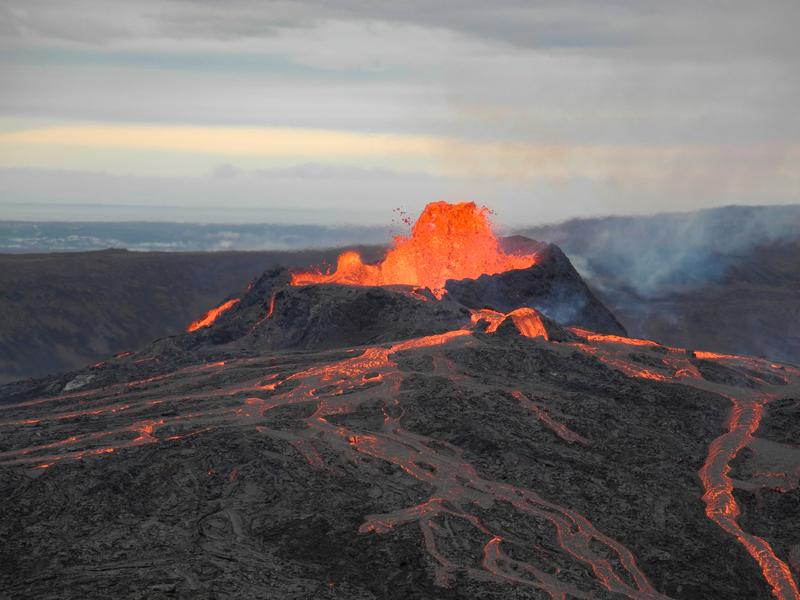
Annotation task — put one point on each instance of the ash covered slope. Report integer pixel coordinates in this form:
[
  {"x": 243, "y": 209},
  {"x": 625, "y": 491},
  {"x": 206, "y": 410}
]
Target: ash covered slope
[{"x": 266, "y": 456}]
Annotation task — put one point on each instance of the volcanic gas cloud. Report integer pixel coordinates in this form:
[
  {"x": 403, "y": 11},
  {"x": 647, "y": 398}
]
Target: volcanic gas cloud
[{"x": 448, "y": 241}]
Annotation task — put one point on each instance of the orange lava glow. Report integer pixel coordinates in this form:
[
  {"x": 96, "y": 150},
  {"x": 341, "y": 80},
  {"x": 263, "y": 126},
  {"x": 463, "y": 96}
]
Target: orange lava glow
[
  {"x": 458, "y": 490},
  {"x": 613, "y": 339},
  {"x": 211, "y": 315},
  {"x": 492, "y": 318},
  {"x": 715, "y": 355},
  {"x": 721, "y": 506},
  {"x": 559, "y": 429},
  {"x": 526, "y": 320},
  {"x": 529, "y": 323},
  {"x": 266, "y": 316},
  {"x": 448, "y": 241},
  {"x": 745, "y": 417}
]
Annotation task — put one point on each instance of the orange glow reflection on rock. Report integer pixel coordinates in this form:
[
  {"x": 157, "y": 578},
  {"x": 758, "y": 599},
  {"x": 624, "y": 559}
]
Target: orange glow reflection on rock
[
  {"x": 527, "y": 321},
  {"x": 448, "y": 241},
  {"x": 211, "y": 315}
]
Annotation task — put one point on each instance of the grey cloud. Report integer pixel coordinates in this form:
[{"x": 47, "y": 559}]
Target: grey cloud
[
  {"x": 700, "y": 29},
  {"x": 327, "y": 171},
  {"x": 225, "y": 171},
  {"x": 550, "y": 73},
  {"x": 147, "y": 94},
  {"x": 49, "y": 194},
  {"x": 55, "y": 194},
  {"x": 320, "y": 171}
]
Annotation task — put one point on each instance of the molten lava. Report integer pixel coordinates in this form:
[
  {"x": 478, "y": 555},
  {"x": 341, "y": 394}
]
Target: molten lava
[
  {"x": 448, "y": 241},
  {"x": 211, "y": 315},
  {"x": 527, "y": 321}
]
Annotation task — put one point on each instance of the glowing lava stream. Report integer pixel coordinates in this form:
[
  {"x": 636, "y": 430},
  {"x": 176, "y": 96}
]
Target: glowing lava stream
[
  {"x": 721, "y": 506},
  {"x": 208, "y": 319},
  {"x": 456, "y": 483},
  {"x": 448, "y": 241},
  {"x": 339, "y": 388},
  {"x": 457, "y": 489},
  {"x": 745, "y": 418},
  {"x": 270, "y": 310}
]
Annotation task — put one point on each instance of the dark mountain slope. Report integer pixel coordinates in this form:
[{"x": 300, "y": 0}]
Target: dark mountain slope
[
  {"x": 248, "y": 460},
  {"x": 66, "y": 310},
  {"x": 552, "y": 286}
]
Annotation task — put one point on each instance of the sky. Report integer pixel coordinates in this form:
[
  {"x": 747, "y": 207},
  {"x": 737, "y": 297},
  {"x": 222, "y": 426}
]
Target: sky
[{"x": 340, "y": 112}]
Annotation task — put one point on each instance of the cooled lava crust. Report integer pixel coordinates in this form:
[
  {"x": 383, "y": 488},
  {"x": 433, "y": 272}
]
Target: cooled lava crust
[{"x": 502, "y": 439}]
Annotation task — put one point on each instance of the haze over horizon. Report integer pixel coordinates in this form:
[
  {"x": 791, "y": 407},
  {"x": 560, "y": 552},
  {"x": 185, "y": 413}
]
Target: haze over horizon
[{"x": 303, "y": 112}]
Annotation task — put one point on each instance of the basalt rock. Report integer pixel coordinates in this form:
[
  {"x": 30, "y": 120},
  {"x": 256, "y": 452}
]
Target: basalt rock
[
  {"x": 520, "y": 463},
  {"x": 551, "y": 286}
]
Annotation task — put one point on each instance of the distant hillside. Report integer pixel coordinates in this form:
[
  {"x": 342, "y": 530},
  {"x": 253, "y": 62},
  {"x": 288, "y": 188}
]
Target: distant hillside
[
  {"x": 726, "y": 279},
  {"x": 65, "y": 310}
]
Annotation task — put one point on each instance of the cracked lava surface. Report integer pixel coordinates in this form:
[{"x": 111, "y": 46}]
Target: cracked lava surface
[
  {"x": 495, "y": 456},
  {"x": 341, "y": 412}
]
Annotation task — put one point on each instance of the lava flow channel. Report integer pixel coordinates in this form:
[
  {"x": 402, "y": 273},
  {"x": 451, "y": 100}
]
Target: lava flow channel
[
  {"x": 448, "y": 241},
  {"x": 457, "y": 486},
  {"x": 721, "y": 506},
  {"x": 457, "y": 490},
  {"x": 339, "y": 387},
  {"x": 208, "y": 319},
  {"x": 745, "y": 417}
]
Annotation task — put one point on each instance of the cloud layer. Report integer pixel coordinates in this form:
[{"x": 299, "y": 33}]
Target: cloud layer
[{"x": 551, "y": 109}]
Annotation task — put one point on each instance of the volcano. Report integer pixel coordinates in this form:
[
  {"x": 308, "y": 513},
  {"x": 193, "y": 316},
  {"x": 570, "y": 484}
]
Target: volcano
[{"x": 463, "y": 419}]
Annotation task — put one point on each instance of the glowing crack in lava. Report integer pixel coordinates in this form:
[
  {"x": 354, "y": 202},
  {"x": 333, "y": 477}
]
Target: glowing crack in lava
[
  {"x": 459, "y": 493},
  {"x": 744, "y": 420},
  {"x": 460, "y": 517},
  {"x": 212, "y": 315},
  {"x": 527, "y": 321},
  {"x": 448, "y": 241}
]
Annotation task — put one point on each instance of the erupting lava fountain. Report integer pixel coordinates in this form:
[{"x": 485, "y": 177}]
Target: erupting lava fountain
[{"x": 448, "y": 241}]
